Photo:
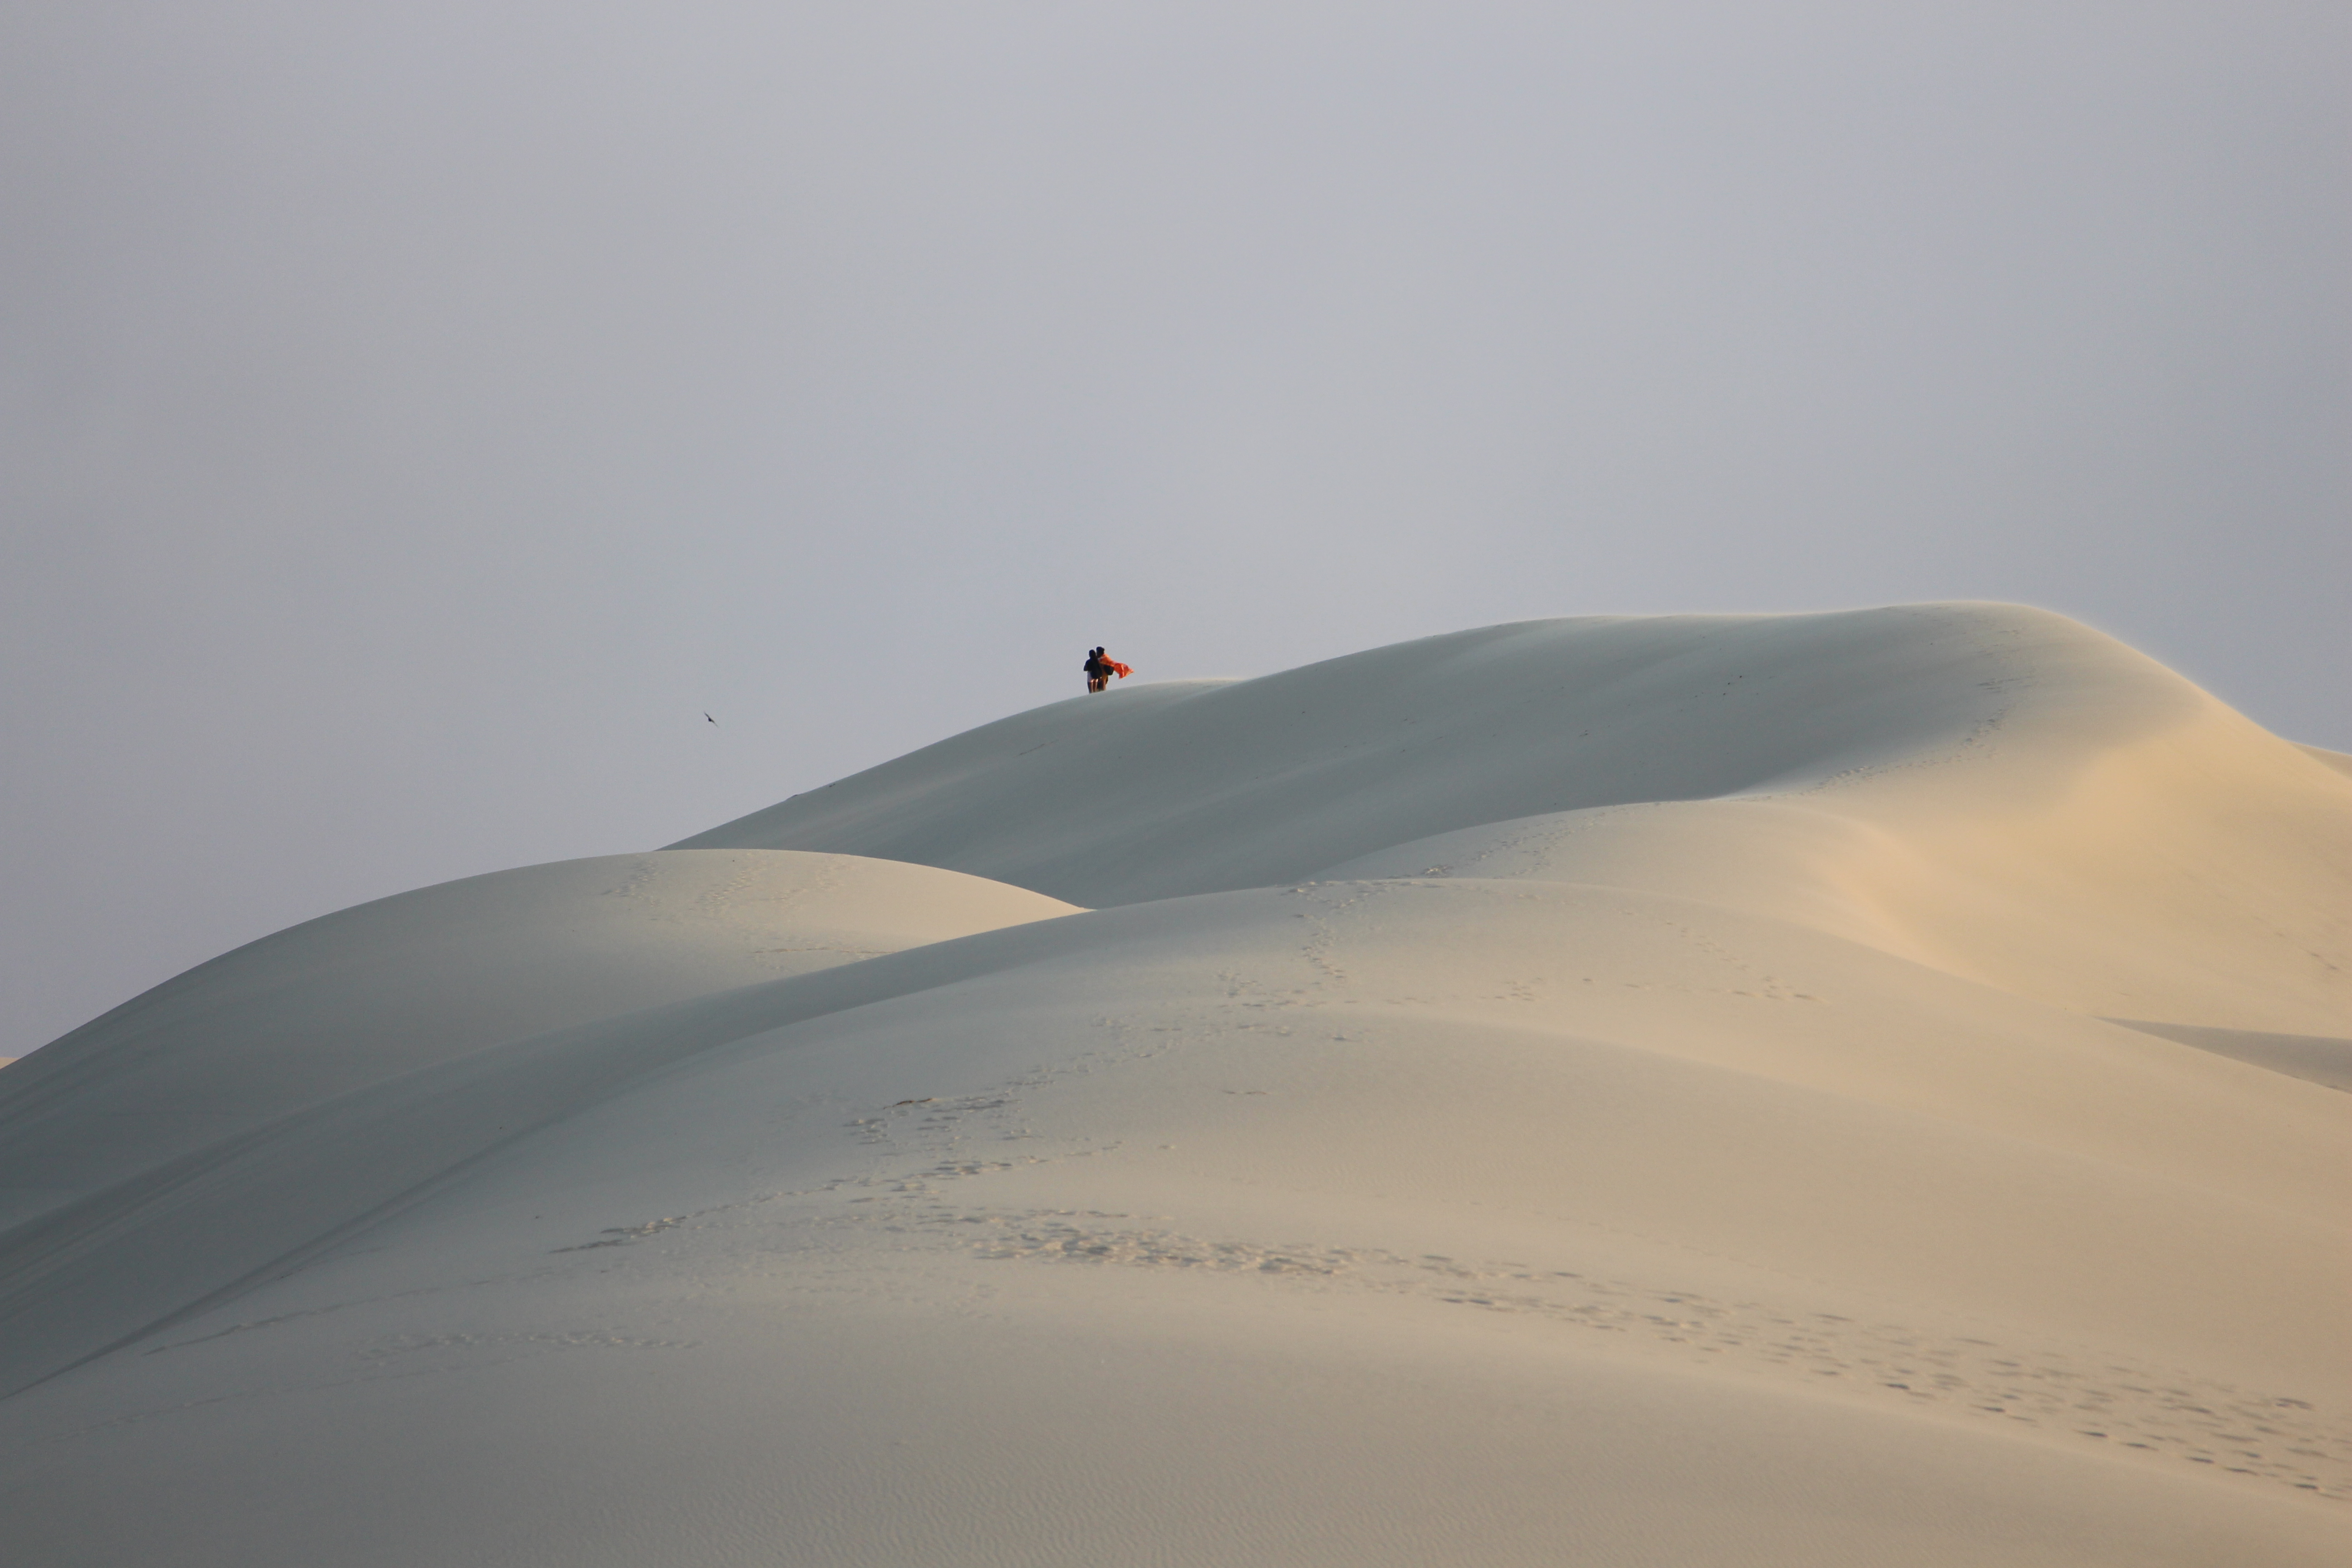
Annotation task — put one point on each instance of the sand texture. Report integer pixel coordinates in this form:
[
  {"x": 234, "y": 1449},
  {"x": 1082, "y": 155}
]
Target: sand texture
[{"x": 1851, "y": 1088}]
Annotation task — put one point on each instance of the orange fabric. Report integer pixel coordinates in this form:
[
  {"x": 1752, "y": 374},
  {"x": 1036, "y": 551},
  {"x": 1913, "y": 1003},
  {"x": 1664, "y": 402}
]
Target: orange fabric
[{"x": 1117, "y": 669}]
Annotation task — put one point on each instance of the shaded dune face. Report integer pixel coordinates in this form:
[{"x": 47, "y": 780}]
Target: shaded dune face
[
  {"x": 1797, "y": 1090},
  {"x": 366, "y": 994}
]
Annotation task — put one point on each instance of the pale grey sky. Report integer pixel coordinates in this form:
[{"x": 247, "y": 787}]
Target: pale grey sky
[{"x": 412, "y": 419}]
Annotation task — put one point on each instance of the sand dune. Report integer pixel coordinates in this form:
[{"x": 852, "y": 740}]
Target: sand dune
[
  {"x": 2321, "y": 1058},
  {"x": 1998, "y": 791},
  {"x": 357, "y": 997},
  {"x": 1840, "y": 1088}
]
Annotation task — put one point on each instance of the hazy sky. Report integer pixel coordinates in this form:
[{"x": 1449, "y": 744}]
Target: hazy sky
[{"x": 412, "y": 419}]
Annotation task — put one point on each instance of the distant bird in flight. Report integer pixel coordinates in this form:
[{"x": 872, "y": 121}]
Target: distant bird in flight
[{"x": 707, "y": 716}]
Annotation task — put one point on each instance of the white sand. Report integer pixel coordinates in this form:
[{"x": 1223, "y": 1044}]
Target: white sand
[
  {"x": 1616, "y": 1091},
  {"x": 356, "y": 998}
]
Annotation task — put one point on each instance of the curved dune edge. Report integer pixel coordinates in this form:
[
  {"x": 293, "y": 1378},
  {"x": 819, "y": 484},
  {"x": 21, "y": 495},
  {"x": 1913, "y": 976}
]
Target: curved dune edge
[
  {"x": 369, "y": 993},
  {"x": 2317, "y": 1059},
  {"x": 1777, "y": 1167},
  {"x": 2339, "y": 761}
]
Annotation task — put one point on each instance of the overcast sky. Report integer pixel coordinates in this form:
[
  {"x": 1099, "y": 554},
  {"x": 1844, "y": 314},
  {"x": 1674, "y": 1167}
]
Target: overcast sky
[{"x": 414, "y": 418}]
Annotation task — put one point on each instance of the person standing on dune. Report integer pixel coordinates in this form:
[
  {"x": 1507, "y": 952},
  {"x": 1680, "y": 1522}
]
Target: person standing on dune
[{"x": 1100, "y": 667}]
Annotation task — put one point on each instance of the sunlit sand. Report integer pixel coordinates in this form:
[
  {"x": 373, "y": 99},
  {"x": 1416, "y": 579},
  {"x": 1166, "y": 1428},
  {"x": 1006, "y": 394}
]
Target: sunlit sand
[{"x": 1837, "y": 1089}]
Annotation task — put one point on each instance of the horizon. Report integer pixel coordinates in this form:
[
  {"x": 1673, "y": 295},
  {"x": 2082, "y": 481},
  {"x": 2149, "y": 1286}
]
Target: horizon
[{"x": 412, "y": 424}]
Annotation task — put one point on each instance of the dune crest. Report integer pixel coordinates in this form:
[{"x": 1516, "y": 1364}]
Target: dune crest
[
  {"x": 1996, "y": 791},
  {"x": 1797, "y": 1089},
  {"x": 366, "y": 994}
]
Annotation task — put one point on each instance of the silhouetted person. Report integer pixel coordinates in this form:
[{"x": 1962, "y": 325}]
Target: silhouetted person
[{"x": 1101, "y": 668}]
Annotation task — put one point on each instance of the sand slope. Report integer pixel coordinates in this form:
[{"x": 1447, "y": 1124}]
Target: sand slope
[
  {"x": 1633, "y": 1178},
  {"x": 367, "y": 994}
]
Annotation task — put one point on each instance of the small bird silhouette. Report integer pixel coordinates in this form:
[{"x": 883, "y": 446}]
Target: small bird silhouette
[{"x": 707, "y": 716}]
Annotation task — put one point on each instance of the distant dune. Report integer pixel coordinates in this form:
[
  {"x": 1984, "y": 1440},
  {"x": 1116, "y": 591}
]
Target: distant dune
[{"x": 1842, "y": 1089}]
